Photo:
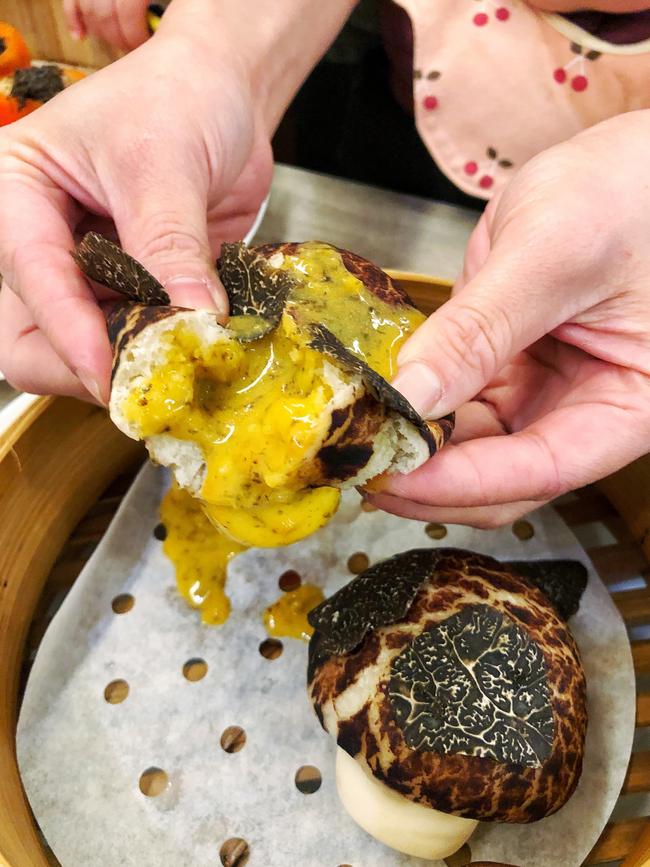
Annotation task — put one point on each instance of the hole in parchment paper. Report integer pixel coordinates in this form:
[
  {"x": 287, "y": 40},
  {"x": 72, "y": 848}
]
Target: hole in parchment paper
[
  {"x": 160, "y": 532},
  {"x": 289, "y": 580},
  {"x": 358, "y": 563},
  {"x": 234, "y": 852},
  {"x": 308, "y": 779},
  {"x": 233, "y": 739},
  {"x": 435, "y": 531},
  {"x": 461, "y": 858},
  {"x": 122, "y": 603},
  {"x": 367, "y": 506},
  {"x": 195, "y": 669},
  {"x": 116, "y": 691},
  {"x": 523, "y": 530},
  {"x": 271, "y": 648},
  {"x": 153, "y": 782}
]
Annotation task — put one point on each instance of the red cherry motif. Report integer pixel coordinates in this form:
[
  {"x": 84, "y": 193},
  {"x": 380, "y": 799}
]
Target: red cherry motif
[
  {"x": 471, "y": 168},
  {"x": 481, "y": 19},
  {"x": 502, "y": 13},
  {"x": 579, "y": 83},
  {"x": 486, "y": 182},
  {"x": 560, "y": 75},
  {"x": 430, "y": 102}
]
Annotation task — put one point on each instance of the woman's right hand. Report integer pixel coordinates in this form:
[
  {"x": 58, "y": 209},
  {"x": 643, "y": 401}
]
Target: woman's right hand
[{"x": 166, "y": 149}]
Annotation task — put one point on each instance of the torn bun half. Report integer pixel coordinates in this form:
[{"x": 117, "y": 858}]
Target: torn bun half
[{"x": 268, "y": 417}]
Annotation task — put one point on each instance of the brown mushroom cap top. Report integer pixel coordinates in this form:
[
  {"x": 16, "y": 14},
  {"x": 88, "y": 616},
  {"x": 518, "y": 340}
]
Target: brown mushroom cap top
[{"x": 456, "y": 681}]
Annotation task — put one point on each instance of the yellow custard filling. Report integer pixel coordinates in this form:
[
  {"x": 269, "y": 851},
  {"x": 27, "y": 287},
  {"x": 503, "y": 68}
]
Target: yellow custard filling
[
  {"x": 329, "y": 294},
  {"x": 288, "y": 616},
  {"x": 199, "y": 553},
  {"x": 255, "y": 410}
]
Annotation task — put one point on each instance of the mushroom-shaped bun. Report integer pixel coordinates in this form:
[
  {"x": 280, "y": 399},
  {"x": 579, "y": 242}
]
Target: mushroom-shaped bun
[{"x": 455, "y": 692}]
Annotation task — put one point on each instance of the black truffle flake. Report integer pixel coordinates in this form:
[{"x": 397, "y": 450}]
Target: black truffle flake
[
  {"x": 324, "y": 341},
  {"x": 257, "y": 292},
  {"x": 106, "y": 263},
  {"x": 379, "y": 596},
  {"x": 40, "y": 83},
  {"x": 562, "y": 581},
  {"x": 474, "y": 684}
]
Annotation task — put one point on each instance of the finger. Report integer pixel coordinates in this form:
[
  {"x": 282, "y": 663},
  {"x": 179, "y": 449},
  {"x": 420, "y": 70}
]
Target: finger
[
  {"x": 513, "y": 300},
  {"x": 27, "y": 358},
  {"x": 480, "y": 517},
  {"x": 476, "y": 419},
  {"x": 164, "y": 225},
  {"x": 132, "y": 19},
  {"x": 35, "y": 260},
  {"x": 102, "y": 22},
  {"x": 74, "y": 19},
  {"x": 566, "y": 449}
]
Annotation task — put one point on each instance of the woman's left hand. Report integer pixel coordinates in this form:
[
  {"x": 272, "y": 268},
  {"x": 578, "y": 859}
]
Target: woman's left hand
[{"x": 544, "y": 348}]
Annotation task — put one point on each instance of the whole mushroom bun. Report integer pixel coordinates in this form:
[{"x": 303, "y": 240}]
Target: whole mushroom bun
[{"x": 455, "y": 692}]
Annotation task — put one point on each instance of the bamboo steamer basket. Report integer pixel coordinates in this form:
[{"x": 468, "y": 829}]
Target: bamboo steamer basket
[{"x": 63, "y": 471}]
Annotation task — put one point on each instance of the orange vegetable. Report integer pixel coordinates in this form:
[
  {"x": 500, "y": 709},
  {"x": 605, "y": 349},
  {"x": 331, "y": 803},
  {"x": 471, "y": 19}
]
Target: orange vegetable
[
  {"x": 71, "y": 75},
  {"x": 10, "y": 109},
  {"x": 14, "y": 53}
]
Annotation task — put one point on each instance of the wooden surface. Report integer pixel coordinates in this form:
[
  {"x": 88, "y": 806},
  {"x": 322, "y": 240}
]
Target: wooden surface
[
  {"x": 54, "y": 463},
  {"x": 43, "y": 25}
]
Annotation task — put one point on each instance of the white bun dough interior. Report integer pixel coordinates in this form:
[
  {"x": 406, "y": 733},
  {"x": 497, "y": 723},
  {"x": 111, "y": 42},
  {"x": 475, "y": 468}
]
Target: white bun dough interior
[{"x": 394, "y": 820}]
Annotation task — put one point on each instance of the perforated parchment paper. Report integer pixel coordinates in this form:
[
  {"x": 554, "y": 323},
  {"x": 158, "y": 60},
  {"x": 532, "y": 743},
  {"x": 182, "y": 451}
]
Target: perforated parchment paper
[{"x": 81, "y": 757}]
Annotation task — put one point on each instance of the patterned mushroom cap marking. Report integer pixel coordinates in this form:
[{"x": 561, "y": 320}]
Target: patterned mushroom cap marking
[{"x": 474, "y": 684}]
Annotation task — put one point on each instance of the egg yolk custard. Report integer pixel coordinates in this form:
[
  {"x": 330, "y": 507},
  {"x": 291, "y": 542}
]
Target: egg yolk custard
[
  {"x": 200, "y": 555},
  {"x": 288, "y": 616},
  {"x": 257, "y": 412}
]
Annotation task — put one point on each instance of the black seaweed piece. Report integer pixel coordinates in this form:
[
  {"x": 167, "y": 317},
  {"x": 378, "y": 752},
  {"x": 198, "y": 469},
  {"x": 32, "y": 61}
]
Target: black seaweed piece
[
  {"x": 36, "y": 82},
  {"x": 474, "y": 683},
  {"x": 324, "y": 341},
  {"x": 562, "y": 581},
  {"x": 379, "y": 596},
  {"x": 106, "y": 263},
  {"x": 254, "y": 288},
  {"x": 3, "y": 45}
]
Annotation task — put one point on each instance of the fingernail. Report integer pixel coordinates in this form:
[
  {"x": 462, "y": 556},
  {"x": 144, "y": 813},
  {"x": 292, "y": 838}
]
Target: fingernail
[
  {"x": 191, "y": 291},
  {"x": 91, "y": 385},
  {"x": 419, "y": 385},
  {"x": 77, "y": 35}
]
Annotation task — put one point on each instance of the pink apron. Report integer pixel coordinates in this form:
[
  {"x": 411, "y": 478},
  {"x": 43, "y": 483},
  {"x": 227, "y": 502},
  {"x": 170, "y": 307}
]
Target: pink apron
[{"x": 495, "y": 82}]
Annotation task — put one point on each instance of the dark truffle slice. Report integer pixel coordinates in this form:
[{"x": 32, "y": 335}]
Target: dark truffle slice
[
  {"x": 39, "y": 83},
  {"x": 257, "y": 292},
  {"x": 106, "y": 263},
  {"x": 435, "y": 434},
  {"x": 562, "y": 581}
]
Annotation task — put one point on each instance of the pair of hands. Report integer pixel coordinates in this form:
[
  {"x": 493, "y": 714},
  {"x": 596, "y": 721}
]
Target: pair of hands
[{"x": 544, "y": 349}]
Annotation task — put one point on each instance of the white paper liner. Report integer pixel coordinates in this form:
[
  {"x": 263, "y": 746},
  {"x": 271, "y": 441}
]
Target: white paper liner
[{"x": 81, "y": 757}]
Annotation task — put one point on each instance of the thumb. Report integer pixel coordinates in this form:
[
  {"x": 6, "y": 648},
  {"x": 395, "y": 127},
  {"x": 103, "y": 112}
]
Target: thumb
[
  {"x": 167, "y": 231},
  {"x": 504, "y": 307}
]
